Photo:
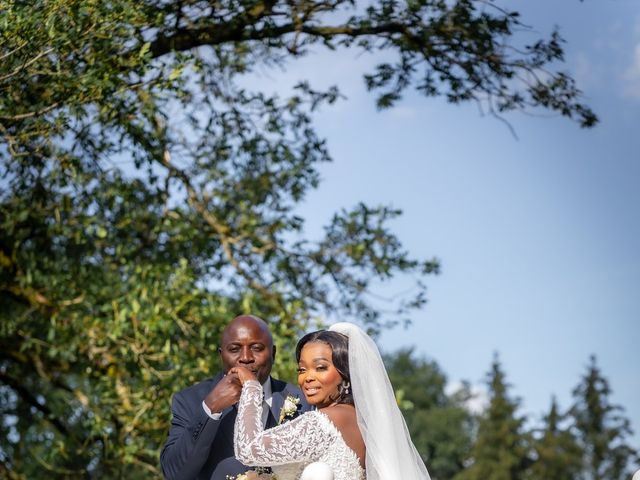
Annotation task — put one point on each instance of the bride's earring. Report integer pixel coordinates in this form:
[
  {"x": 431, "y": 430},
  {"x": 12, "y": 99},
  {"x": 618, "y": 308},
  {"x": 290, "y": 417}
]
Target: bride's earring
[{"x": 345, "y": 387}]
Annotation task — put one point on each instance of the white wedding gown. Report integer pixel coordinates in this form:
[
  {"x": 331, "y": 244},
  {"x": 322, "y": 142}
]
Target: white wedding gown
[{"x": 290, "y": 447}]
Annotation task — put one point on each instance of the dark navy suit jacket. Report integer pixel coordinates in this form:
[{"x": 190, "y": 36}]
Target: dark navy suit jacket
[{"x": 200, "y": 448}]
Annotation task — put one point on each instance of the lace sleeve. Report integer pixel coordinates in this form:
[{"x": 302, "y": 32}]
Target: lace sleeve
[{"x": 303, "y": 438}]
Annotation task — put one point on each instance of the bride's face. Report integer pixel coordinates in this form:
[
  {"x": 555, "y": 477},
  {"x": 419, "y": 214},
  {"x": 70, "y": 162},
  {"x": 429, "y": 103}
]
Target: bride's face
[{"x": 317, "y": 376}]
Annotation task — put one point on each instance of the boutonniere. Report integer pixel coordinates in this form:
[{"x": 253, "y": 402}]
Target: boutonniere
[{"x": 289, "y": 409}]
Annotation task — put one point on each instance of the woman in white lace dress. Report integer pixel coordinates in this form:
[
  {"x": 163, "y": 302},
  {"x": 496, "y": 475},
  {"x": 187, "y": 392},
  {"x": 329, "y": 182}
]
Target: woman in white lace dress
[{"x": 356, "y": 425}]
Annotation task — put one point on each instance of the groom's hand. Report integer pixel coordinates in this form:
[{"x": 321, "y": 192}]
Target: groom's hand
[
  {"x": 243, "y": 374},
  {"x": 224, "y": 394}
]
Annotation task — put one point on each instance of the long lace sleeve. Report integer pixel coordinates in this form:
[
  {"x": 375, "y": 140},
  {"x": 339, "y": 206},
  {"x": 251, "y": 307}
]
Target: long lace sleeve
[{"x": 301, "y": 439}]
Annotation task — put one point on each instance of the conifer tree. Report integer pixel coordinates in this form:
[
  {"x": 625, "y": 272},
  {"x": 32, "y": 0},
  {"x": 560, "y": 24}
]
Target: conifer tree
[
  {"x": 439, "y": 423},
  {"x": 602, "y": 429},
  {"x": 558, "y": 455},
  {"x": 501, "y": 449}
]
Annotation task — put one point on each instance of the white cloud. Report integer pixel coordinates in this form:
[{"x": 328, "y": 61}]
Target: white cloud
[{"x": 479, "y": 400}]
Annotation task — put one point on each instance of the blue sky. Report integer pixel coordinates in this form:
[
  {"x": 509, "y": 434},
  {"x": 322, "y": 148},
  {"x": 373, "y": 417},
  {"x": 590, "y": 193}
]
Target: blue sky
[{"x": 538, "y": 235}]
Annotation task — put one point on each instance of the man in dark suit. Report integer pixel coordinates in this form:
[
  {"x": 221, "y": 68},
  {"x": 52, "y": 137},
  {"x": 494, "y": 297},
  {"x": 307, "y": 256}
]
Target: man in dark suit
[{"x": 200, "y": 441}]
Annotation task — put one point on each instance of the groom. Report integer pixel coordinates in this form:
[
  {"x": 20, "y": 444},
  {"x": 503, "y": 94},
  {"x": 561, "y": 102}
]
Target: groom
[{"x": 200, "y": 441}]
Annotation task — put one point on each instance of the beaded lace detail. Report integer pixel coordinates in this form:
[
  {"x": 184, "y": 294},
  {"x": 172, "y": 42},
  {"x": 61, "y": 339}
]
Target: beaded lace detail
[{"x": 289, "y": 447}]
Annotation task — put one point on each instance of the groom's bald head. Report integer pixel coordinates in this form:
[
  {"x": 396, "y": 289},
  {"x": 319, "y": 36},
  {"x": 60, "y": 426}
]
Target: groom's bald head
[{"x": 247, "y": 342}]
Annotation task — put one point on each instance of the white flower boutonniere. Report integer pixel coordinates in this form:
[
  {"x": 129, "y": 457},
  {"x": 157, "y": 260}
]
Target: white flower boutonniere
[{"x": 289, "y": 408}]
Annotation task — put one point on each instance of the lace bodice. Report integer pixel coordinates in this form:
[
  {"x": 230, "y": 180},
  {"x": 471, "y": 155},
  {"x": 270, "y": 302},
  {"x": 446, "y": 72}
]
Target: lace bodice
[{"x": 289, "y": 447}]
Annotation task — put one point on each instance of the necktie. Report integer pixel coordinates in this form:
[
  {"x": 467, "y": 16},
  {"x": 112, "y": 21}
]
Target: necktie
[{"x": 265, "y": 412}]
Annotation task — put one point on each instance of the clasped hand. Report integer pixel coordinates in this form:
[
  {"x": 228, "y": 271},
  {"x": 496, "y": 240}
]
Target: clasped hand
[
  {"x": 227, "y": 391},
  {"x": 243, "y": 374}
]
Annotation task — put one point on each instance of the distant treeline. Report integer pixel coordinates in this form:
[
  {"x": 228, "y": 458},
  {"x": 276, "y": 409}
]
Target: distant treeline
[{"x": 588, "y": 441}]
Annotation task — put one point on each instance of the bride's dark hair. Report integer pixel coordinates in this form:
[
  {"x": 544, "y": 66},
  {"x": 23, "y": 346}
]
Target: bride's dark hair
[{"x": 339, "y": 344}]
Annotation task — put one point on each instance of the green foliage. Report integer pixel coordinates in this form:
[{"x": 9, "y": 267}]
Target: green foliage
[
  {"x": 602, "y": 429},
  {"x": 589, "y": 442},
  {"x": 146, "y": 197},
  {"x": 501, "y": 449},
  {"x": 557, "y": 453},
  {"x": 439, "y": 424}
]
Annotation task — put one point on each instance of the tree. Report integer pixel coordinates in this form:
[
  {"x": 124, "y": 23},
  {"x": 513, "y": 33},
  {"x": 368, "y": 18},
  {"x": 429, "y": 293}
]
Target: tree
[
  {"x": 602, "y": 429},
  {"x": 557, "y": 452},
  {"x": 439, "y": 424},
  {"x": 501, "y": 448},
  {"x": 146, "y": 197}
]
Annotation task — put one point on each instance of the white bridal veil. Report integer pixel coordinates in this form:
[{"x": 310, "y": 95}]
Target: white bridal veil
[{"x": 390, "y": 451}]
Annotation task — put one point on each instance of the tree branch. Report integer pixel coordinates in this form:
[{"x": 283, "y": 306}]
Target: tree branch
[
  {"x": 28, "y": 397},
  {"x": 236, "y": 31}
]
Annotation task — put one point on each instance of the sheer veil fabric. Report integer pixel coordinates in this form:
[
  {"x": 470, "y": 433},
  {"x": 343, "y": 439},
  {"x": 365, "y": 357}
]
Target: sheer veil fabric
[{"x": 390, "y": 451}]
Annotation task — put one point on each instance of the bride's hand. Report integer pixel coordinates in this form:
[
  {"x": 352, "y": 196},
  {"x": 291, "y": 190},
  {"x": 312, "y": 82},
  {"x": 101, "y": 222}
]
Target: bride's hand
[{"x": 243, "y": 374}]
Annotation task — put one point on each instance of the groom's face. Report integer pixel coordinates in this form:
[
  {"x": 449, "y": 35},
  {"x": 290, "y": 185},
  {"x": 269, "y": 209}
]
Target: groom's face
[{"x": 247, "y": 342}]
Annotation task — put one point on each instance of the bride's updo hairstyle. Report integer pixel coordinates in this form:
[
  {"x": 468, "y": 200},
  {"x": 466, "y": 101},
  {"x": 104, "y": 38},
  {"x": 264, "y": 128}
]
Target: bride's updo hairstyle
[{"x": 339, "y": 344}]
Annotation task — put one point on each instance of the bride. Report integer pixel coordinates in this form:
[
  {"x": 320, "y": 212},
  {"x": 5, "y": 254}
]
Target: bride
[{"x": 356, "y": 427}]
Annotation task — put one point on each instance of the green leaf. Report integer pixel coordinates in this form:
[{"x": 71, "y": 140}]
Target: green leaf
[{"x": 144, "y": 50}]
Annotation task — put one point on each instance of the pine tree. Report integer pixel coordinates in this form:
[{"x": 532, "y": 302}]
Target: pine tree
[
  {"x": 558, "y": 455},
  {"x": 501, "y": 449},
  {"x": 439, "y": 424},
  {"x": 602, "y": 429}
]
